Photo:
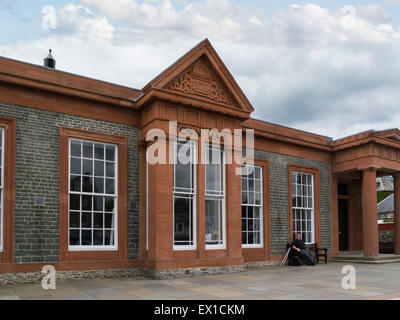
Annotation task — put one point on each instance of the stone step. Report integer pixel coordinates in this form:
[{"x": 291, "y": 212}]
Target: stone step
[
  {"x": 385, "y": 257},
  {"x": 364, "y": 261}
]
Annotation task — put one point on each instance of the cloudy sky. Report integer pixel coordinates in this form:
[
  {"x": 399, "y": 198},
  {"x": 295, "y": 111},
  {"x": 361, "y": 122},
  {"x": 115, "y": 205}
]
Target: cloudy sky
[{"x": 329, "y": 67}]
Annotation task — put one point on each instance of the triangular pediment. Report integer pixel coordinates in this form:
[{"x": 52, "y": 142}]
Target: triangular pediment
[{"x": 200, "y": 78}]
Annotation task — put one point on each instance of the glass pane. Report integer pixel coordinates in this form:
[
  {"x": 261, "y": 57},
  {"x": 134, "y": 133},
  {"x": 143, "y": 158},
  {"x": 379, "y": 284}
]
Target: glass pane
[
  {"x": 244, "y": 184},
  {"x": 251, "y": 198},
  {"x": 98, "y": 203},
  {"x": 87, "y": 150},
  {"x": 244, "y": 237},
  {"x": 99, "y": 151},
  {"x": 87, "y": 167},
  {"x": 98, "y": 237},
  {"x": 257, "y": 238},
  {"x": 250, "y": 212},
  {"x": 257, "y": 172},
  {"x": 250, "y": 224},
  {"x": 97, "y": 220},
  {"x": 75, "y": 166},
  {"x": 75, "y": 183},
  {"x": 87, "y": 184},
  {"x": 86, "y": 203},
  {"x": 244, "y": 198},
  {"x": 99, "y": 185},
  {"x": 110, "y": 153},
  {"x": 244, "y": 224},
  {"x": 213, "y": 169},
  {"x": 182, "y": 176},
  {"x": 250, "y": 239},
  {"x": 244, "y": 212},
  {"x": 99, "y": 168},
  {"x": 109, "y": 237},
  {"x": 86, "y": 237},
  {"x": 251, "y": 185},
  {"x": 74, "y": 237},
  {"x": 213, "y": 219},
  {"x": 110, "y": 172},
  {"x": 258, "y": 198},
  {"x": 86, "y": 220},
  {"x": 109, "y": 220},
  {"x": 74, "y": 220},
  {"x": 109, "y": 204},
  {"x": 110, "y": 186},
  {"x": 76, "y": 149},
  {"x": 183, "y": 221},
  {"x": 256, "y": 213},
  {"x": 74, "y": 202}
]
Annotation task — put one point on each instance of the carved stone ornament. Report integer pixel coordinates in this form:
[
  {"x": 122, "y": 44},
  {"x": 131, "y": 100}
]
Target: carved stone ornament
[{"x": 199, "y": 80}]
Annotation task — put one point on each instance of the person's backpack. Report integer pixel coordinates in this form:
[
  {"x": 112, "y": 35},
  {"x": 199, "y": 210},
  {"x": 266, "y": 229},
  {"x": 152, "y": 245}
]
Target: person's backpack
[{"x": 295, "y": 261}]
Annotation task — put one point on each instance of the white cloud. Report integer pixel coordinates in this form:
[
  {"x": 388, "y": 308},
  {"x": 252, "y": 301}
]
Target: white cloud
[
  {"x": 49, "y": 17},
  {"x": 333, "y": 72}
]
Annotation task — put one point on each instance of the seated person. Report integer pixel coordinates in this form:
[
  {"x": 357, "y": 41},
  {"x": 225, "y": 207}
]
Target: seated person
[{"x": 299, "y": 246}]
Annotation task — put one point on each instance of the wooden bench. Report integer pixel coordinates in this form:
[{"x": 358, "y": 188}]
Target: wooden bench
[{"x": 318, "y": 252}]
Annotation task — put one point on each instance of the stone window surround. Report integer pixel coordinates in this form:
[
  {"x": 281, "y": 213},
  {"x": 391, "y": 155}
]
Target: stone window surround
[
  {"x": 261, "y": 207},
  {"x": 316, "y": 196},
  {"x": 220, "y": 194},
  {"x": 104, "y": 194},
  {"x": 190, "y": 194},
  {"x": 309, "y": 207},
  {"x": 9, "y": 131},
  {"x": 121, "y": 253}
]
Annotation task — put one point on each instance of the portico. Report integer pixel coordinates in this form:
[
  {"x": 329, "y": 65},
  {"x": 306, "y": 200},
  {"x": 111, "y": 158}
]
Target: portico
[{"x": 357, "y": 161}]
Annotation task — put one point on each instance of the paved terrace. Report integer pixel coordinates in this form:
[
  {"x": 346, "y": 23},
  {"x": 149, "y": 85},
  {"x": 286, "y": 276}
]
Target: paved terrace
[{"x": 306, "y": 282}]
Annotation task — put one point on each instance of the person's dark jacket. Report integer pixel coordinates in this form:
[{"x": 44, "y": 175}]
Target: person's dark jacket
[{"x": 299, "y": 244}]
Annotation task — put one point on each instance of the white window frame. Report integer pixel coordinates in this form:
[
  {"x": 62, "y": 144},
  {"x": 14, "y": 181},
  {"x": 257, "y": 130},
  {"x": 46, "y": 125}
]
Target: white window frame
[
  {"x": 3, "y": 132},
  {"x": 312, "y": 209},
  {"x": 261, "y": 206},
  {"x": 94, "y": 247},
  {"x": 220, "y": 194},
  {"x": 189, "y": 194}
]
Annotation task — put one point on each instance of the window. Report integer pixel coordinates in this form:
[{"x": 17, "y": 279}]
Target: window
[
  {"x": 93, "y": 195},
  {"x": 215, "y": 198},
  {"x": 184, "y": 194},
  {"x": 252, "y": 204},
  {"x": 1, "y": 187},
  {"x": 303, "y": 205}
]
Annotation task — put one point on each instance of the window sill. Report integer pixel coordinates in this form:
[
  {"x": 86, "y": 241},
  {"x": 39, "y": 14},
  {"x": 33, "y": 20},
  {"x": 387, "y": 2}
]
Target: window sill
[
  {"x": 252, "y": 246},
  {"x": 80, "y": 248}
]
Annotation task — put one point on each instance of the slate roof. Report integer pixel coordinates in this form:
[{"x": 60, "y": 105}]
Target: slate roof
[
  {"x": 386, "y": 205},
  {"x": 384, "y": 183}
]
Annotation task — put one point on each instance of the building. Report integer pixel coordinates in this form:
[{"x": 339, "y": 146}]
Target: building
[{"x": 77, "y": 192}]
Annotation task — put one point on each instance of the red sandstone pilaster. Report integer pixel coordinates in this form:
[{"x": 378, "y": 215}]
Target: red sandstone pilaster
[
  {"x": 370, "y": 213},
  {"x": 396, "y": 178}
]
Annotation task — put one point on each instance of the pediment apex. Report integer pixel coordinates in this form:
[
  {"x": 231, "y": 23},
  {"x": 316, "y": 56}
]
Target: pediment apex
[{"x": 201, "y": 74}]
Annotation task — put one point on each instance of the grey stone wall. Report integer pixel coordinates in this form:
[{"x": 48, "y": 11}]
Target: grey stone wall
[
  {"x": 37, "y": 175},
  {"x": 386, "y": 236},
  {"x": 279, "y": 197}
]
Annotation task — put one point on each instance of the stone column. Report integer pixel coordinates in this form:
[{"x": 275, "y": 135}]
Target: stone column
[
  {"x": 396, "y": 178},
  {"x": 370, "y": 213}
]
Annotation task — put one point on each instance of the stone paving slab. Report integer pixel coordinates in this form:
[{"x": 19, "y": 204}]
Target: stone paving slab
[{"x": 322, "y": 282}]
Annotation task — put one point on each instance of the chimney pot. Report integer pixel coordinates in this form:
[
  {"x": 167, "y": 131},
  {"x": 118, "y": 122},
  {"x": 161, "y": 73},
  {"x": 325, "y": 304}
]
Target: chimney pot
[{"x": 49, "y": 61}]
